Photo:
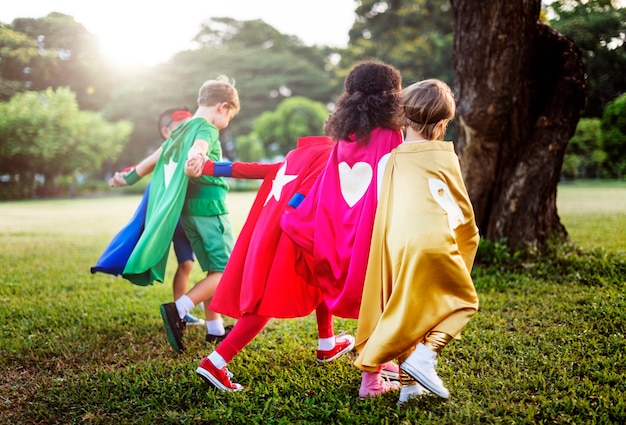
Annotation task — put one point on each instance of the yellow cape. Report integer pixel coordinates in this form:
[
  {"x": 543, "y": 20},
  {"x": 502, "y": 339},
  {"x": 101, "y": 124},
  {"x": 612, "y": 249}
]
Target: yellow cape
[{"x": 423, "y": 247}]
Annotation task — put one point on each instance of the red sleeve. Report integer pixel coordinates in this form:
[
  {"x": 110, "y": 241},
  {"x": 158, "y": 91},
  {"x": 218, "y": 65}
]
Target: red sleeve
[{"x": 253, "y": 170}]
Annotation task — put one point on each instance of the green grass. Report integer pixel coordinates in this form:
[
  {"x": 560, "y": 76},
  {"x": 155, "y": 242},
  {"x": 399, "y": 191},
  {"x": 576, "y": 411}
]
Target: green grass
[
  {"x": 594, "y": 213},
  {"x": 547, "y": 345}
]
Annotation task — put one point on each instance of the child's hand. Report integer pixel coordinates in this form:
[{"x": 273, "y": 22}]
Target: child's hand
[
  {"x": 117, "y": 180},
  {"x": 193, "y": 166}
]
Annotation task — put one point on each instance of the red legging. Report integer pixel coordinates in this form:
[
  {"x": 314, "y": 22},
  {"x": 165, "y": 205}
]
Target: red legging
[{"x": 250, "y": 325}]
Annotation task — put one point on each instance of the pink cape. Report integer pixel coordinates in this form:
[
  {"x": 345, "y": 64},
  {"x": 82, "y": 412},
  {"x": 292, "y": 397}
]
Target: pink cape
[
  {"x": 333, "y": 225},
  {"x": 260, "y": 276}
]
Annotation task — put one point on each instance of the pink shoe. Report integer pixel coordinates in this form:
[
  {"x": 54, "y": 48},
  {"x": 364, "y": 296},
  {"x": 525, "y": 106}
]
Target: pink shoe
[
  {"x": 218, "y": 377},
  {"x": 343, "y": 344},
  {"x": 373, "y": 385},
  {"x": 390, "y": 371}
]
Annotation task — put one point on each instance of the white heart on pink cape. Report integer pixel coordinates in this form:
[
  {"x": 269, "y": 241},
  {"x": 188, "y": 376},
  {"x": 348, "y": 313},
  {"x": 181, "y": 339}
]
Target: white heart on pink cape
[{"x": 354, "y": 181}]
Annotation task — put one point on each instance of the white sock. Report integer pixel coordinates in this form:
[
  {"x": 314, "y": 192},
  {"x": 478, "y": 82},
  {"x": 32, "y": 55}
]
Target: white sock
[
  {"x": 326, "y": 344},
  {"x": 215, "y": 327},
  {"x": 184, "y": 305},
  {"x": 217, "y": 360}
]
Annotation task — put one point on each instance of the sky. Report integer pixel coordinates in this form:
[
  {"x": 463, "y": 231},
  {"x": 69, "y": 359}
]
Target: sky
[{"x": 133, "y": 33}]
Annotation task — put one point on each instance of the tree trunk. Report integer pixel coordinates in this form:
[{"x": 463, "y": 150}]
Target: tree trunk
[{"x": 520, "y": 90}]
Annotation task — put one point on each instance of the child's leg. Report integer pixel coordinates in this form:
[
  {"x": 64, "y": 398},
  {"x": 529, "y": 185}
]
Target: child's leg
[
  {"x": 409, "y": 388},
  {"x": 213, "y": 367},
  {"x": 245, "y": 330},
  {"x": 329, "y": 346},
  {"x": 181, "y": 278},
  {"x": 436, "y": 340},
  {"x": 421, "y": 364},
  {"x": 212, "y": 241},
  {"x": 373, "y": 385},
  {"x": 325, "y": 328},
  {"x": 203, "y": 291},
  {"x": 185, "y": 259}
]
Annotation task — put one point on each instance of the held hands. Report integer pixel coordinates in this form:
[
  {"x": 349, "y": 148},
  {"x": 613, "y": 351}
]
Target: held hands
[
  {"x": 117, "y": 180},
  {"x": 194, "y": 165}
]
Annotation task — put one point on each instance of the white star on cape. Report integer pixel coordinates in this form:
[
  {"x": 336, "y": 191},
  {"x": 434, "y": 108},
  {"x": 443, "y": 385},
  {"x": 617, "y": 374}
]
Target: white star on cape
[
  {"x": 168, "y": 172},
  {"x": 279, "y": 182}
]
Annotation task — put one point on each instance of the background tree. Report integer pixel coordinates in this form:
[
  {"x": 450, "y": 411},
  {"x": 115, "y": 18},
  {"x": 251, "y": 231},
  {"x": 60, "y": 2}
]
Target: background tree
[
  {"x": 598, "y": 27},
  {"x": 413, "y": 35},
  {"x": 249, "y": 148},
  {"x": 520, "y": 90},
  {"x": 267, "y": 67},
  {"x": 584, "y": 155},
  {"x": 45, "y": 133},
  {"x": 614, "y": 136},
  {"x": 60, "y": 52},
  {"x": 295, "y": 117},
  {"x": 17, "y": 50}
]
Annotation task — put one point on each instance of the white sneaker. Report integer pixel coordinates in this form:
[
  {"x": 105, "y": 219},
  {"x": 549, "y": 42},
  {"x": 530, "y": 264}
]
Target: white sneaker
[
  {"x": 421, "y": 366},
  {"x": 192, "y": 320},
  {"x": 408, "y": 392}
]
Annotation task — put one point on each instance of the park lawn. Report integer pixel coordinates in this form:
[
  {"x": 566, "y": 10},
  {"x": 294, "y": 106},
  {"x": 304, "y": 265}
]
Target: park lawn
[
  {"x": 594, "y": 213},
  {"x": 547, "y": 345}
]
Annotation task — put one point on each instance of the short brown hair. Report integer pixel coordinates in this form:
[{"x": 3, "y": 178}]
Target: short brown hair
[
  {"x": 425, "y": 104},
  {"x": 217, "y": 91}
]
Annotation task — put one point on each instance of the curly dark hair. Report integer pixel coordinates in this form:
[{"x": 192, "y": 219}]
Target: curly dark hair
[{"x": 371, "y": 99}]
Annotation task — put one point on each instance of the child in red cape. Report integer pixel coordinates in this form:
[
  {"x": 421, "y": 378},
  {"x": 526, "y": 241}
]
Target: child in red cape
[{"x": 260, "y": 281}]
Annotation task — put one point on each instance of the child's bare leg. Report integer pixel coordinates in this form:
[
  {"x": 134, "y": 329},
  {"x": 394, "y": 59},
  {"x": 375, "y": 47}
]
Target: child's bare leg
[{"x": 203, "y": 291}]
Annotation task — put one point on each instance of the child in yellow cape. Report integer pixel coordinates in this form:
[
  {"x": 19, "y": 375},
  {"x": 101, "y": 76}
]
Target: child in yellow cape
[{"x": 418, "y": 291}]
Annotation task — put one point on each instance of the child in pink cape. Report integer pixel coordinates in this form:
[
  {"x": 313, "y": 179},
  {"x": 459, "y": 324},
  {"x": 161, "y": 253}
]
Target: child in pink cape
[
  {"x": 333, "y": 225},
  {"x": 418, "y": 291}
]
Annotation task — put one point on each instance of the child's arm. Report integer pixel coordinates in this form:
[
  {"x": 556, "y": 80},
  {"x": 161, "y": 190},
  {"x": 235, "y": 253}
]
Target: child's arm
[
  {"x": 134, "y": 174},
  {"x": 306, "y": 183},
  {"x": 239, "y": 170},
  {"x": 193, "y": 166},
  {"x": 197, "y": 166},
  {"x": 199, "y": 148}
]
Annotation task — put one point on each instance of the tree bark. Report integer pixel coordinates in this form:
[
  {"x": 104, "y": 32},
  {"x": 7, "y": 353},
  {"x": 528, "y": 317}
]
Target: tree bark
[{"x": 520, "y": 90}]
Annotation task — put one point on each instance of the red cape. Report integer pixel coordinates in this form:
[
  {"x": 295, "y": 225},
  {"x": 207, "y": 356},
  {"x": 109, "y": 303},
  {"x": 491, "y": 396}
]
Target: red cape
[{"x": 261, "y": 275}]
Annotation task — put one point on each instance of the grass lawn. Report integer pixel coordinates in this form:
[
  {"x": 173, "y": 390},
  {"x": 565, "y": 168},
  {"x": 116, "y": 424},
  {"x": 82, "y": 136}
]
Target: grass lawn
[
  {"x": 594, "y": 213},
  {"x": 547, "y": 345}
]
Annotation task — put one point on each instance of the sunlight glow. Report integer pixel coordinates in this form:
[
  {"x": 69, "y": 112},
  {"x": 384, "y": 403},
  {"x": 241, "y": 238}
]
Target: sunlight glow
[{"x": 136, "y": 33}]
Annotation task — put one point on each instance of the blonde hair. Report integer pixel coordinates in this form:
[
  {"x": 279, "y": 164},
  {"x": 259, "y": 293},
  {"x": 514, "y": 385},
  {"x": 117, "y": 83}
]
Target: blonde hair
[
  {"x": 428, "y": 106},
  {"x": 219, "y": 90}
]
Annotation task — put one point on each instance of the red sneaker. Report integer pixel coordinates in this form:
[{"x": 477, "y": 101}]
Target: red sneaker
[
  {"x": 343, "y": 344},
  {"x": 217, "y": 377}
]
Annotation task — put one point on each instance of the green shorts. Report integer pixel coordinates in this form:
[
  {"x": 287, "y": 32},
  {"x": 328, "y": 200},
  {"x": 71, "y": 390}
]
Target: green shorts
[{"x": 211, "y": 239}]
